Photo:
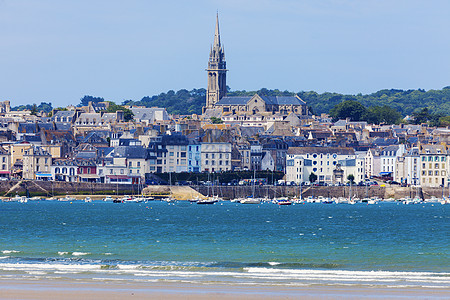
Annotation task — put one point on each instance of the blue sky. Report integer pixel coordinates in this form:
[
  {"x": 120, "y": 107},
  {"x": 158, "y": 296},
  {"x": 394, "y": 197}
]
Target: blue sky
[{"x": 58, "y": 51}]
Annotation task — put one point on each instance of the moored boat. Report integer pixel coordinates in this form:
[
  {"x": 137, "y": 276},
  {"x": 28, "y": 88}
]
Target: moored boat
[{"x": 251, "y": 201}]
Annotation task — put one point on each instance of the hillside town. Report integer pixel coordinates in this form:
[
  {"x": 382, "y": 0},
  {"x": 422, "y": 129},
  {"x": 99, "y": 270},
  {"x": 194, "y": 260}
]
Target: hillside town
[{"x": 274, "y": 133}]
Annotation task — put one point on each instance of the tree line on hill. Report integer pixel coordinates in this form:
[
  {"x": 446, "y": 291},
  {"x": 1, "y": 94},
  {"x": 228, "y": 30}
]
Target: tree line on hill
[{"x": 387, "y": 106}]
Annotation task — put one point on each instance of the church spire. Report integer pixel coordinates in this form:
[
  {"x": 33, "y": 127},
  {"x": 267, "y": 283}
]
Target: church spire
[
  {"x": 217, "y": 34},
  {"x": 217, "y": 69}
]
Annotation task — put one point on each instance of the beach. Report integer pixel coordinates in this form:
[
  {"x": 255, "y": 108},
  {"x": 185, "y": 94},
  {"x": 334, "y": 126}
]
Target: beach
[{"x": 31, "y": 289}]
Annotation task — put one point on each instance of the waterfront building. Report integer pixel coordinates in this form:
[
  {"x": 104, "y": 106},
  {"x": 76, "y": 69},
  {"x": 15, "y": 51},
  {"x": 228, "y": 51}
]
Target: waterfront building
[
  {"x": 17, "y": 150},
  {"x": 64, "y": 170},
  {"x": 124, "y": 164},
  {"x": 215, "y": 157},
  {"x": 408, "y": 169},
  {"x": 323, "y": 162},
  {"x": 244, "y": 150},
  {"x": 194, "y": 156},
  {"x": 175, "y": 159},
  {"x": 434, "y": 165},
  {"x": 372, "y": 163},
  {"x": 36, "y": 164},
  {"x": 388, "y": 159},
  {"x": 267, "y": 161},
  {"x": 5, "y": 165}
]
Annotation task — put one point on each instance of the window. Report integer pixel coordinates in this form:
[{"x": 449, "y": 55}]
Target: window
[
  {"x": 130, "y": 164},
  {"x": 206, "y": 162},
  {"x": 170, "y": 153},
  {"x": 121, "y": 171},
  {"x": 138, "y": 163}
]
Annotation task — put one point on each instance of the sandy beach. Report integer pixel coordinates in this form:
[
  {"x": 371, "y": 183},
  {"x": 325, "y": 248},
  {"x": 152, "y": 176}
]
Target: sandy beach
[{"x": 57, "y": 289}]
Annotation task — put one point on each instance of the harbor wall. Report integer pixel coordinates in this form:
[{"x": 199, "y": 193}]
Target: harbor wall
[{"x": 49, "y": 188}]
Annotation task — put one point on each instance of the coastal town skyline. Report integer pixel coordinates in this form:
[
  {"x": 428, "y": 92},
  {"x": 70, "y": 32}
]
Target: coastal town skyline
[{"x": 144, "y": 52}]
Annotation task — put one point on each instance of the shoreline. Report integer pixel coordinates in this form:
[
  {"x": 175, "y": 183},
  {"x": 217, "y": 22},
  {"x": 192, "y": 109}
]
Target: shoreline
[{"x": 74, "y": 289}]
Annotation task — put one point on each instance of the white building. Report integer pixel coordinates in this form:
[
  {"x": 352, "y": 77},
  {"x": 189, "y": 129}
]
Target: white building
[
  {"x": 323, "y": 162},
  {"x": 388, "y": 159},
  {"x": 408, "y": 169},
  {"x": 372, "y": 163},
  {"x": 215, "y": 157}
]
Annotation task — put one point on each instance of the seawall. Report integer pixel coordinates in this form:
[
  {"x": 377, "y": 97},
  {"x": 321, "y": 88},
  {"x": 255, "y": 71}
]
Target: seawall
[{"x": 49, "y": 188}]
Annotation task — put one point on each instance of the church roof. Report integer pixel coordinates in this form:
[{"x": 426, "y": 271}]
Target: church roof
[
  {"x": 233, "y": 101},
  {"x": 274, "y": 100}
]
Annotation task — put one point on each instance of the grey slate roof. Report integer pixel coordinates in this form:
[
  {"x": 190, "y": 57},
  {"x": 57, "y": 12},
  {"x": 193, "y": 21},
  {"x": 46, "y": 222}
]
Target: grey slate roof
[
  {"x": 130, "y": 152},
  {"x": 321, "y": 150},
  {"x": 275, "y": 100}
]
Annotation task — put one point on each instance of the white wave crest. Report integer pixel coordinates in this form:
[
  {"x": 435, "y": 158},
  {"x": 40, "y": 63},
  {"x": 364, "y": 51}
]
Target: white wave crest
[
  {"x": 10, "y": 251},
  {"x": 80, "y": 253}
]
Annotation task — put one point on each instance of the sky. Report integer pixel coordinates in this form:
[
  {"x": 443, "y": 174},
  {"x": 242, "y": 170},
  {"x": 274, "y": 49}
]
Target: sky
[{"x": 58, "y": 51}]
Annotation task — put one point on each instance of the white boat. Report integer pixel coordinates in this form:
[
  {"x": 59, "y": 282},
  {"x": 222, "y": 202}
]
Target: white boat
[
  {"x": 67, "y": 198},
  {"x": 251, "y": 201},
  {"x": 108, "y": 199},
  {"x": 87, "y": 199},
  {"x": 169, "y": 199}
]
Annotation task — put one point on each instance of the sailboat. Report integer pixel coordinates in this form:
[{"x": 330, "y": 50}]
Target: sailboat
[
  {"x": 170, "y": 199},
  {"x": 252, "y": 199}
]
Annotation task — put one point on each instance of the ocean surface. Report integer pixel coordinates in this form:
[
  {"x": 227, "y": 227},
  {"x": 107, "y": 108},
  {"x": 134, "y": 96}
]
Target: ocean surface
[{"x": 386, "y": 245}]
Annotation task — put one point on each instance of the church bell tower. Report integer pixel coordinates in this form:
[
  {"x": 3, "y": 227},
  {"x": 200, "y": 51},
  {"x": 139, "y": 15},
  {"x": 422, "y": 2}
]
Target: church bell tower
[{"x": 217, "y": 71}]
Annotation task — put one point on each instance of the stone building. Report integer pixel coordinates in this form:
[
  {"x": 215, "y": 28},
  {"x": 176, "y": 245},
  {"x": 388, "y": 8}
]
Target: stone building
[
  {"x": 37, "y": 164},
  {"x": 218, "y": 104}
]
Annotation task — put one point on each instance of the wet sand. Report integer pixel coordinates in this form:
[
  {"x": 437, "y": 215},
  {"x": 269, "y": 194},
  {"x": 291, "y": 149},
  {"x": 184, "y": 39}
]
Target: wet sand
[{"x": 59, "y": 289}]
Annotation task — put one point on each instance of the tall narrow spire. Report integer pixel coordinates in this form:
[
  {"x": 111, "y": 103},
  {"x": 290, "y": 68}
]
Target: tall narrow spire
[
  {"x": 216, "y": 33},
  {"x": 217, "y": 69}
]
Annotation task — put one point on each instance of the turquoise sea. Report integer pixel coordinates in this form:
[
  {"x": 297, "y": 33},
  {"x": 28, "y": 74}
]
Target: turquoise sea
[{"x": 388, "y": 244}]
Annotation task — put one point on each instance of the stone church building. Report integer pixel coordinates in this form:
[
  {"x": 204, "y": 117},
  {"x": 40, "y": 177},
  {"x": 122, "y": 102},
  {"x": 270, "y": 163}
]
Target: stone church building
[{"x": 219, "y": 104}]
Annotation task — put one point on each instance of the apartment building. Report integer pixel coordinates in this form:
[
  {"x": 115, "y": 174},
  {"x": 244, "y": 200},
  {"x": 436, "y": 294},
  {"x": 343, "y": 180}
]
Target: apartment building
[
  {"x": 323, "y": 162},
  {"x": 434, "y": 165},
  {"x": 215, "y": 157}
]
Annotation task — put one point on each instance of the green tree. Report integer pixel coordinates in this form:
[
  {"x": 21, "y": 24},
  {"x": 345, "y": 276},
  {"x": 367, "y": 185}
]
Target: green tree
[
  {"x": 444, "y": 121},
  {"x": 383, "y": 114},
  {"x": 215, "y": 120},
  {"x": 349, "y": 109},
  {"x": 127, "y": 114},
  {"x": 34, "y": 109},
  {"x": 312, "y": 177},
  {"x": 351, "y": 178},
  {"x": 86, "y": 99}
]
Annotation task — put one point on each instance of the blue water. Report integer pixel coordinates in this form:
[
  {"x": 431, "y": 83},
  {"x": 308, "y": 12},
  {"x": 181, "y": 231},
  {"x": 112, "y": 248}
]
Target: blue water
[{"x": 387, "y": 244}]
